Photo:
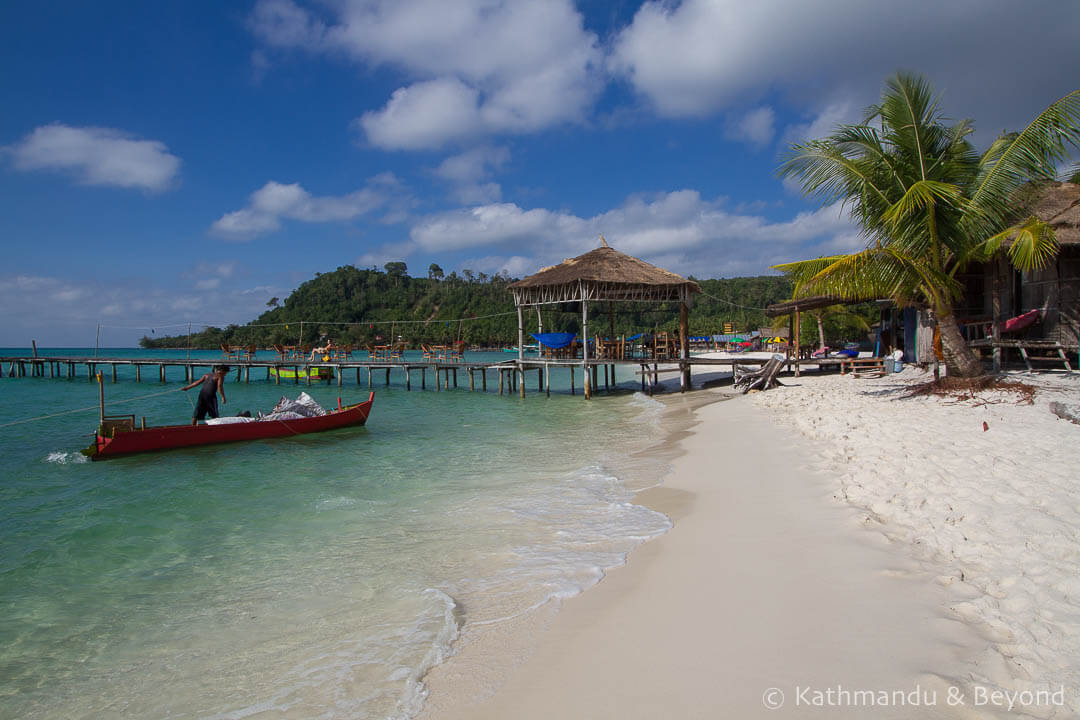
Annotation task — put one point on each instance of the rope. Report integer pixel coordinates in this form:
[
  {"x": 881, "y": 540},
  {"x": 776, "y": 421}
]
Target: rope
[
  {"x": 742, "y": 307},
  {"x": 87, "y": 409},
  {"x": 307, "y": 322}
]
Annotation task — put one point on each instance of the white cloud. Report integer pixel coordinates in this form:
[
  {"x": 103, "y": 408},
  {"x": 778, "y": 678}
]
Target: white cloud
[
  {"x": 696, "y": 57},
  {"x": 477, "y": 66},
  {"x": 842, "y": 112},
  {"x": 58, "y": 312},
  {"x": 473, "y": 165},
  {"x": 468, "y": 171},
  {"x": 690, "y": 234},
  {"x": 755, "y": 127},
  {"x": 424, "y": 115},
  {"x": 274, "y": 201},
  {"x": 98, "y": 156}
]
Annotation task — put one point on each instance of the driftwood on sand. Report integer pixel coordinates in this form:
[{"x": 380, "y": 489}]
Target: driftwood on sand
[{"x": 762, "y": 378}]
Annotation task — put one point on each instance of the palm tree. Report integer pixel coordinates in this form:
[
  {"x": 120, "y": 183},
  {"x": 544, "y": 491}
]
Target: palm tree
[{"x": 928, "y": 202}]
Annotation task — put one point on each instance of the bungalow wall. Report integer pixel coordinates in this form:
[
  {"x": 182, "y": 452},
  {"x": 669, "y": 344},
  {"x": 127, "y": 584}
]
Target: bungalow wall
[{"x": 1055, "y": 288}]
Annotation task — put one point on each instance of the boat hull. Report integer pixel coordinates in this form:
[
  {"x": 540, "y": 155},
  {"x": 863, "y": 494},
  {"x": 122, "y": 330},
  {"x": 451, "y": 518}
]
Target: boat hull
[{"x": 169, "y": 437}]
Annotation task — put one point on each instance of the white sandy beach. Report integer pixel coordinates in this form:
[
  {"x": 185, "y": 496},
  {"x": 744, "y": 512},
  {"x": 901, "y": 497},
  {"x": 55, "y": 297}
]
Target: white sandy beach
[{"x": 829, "y": 538}]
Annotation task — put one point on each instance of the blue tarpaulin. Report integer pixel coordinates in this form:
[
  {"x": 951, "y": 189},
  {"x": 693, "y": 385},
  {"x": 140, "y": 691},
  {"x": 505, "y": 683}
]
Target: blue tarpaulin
[{"x": 554, "y": 340}]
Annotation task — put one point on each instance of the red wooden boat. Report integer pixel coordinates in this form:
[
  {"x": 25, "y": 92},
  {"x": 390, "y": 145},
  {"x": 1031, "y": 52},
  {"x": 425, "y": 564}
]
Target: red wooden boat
[{"x": 119, "y": 436}]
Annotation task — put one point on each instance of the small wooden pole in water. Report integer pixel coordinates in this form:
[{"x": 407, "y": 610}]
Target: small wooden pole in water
[
  {"x": 369, "y": 377},
  {"x": 277, "y": 375},
  {"x": 472, "y": 380},
  {"x": 34, "y": 343},
  {"x": 387, "y": 376},
  {"x": 423, "y": 378},
  {"x": 501, "y": 374},
  {"x": 483, "y": 379},
  {"x": 547, "y": 379},
  {"x": 572, "y": 380},
  {"x": 101, "y": 400},
  {"x": 114, "y": 372},
  {"x": 539, "y": 379},
  {"x": 408, "y": 379}
]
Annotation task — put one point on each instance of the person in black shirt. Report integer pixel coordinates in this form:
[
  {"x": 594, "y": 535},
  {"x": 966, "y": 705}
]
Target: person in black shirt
[{"x": 212, "y": 384}]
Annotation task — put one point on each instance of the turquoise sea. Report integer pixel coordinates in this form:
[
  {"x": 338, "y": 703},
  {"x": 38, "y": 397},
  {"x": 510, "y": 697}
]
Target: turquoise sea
[{"x": 318, "y": 576}]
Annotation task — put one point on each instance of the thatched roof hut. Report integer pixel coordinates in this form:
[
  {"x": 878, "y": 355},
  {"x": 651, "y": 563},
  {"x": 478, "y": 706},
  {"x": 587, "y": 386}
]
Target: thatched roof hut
[
  {"x": 603, "y": 274},
  {"x": 1058, "y": 205}
]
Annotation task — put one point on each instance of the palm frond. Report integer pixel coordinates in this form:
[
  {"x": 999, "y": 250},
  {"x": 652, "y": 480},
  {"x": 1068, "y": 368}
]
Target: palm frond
[
  {"x": 922, "y": 196},
  {"x": 1030, "y": 155},
  {"x": 874, "y": 273},
  {"x": 1034, "y": 246}
]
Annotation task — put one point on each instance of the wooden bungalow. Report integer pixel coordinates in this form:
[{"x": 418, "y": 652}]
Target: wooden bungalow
[
  {"x": 604, "y": 275},
  {"x": 997, "y": 297}
]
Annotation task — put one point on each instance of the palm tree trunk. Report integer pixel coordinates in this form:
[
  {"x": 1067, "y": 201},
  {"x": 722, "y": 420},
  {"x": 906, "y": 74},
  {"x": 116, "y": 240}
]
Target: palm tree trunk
[
  {"x": 820, "y": 331},
  {"x": 960, "y": 359}
]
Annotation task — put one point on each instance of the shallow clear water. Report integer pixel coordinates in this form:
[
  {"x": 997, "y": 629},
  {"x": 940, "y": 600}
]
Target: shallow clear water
[{"x": 317, "y": 576}]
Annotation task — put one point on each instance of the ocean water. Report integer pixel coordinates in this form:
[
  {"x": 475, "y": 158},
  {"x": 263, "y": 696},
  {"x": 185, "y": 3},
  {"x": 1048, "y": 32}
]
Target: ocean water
[{"x": 311, "y": 577}]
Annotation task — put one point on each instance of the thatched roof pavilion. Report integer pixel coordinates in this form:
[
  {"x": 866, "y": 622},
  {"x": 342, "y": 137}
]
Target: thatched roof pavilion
[{"x": 603, "y": 274}]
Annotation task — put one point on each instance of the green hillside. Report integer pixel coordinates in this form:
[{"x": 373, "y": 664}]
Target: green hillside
[{"x": 362, "y": 306}]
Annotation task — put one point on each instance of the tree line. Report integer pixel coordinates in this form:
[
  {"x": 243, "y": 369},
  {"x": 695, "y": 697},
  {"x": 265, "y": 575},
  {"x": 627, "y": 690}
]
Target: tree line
[{"x": 359, "y": 307}]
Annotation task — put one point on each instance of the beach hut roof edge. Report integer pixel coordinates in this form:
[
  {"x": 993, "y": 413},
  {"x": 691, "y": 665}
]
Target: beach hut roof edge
[
  {"x": 1058, "y": 205},
  {"x": 603, "y": 274}
]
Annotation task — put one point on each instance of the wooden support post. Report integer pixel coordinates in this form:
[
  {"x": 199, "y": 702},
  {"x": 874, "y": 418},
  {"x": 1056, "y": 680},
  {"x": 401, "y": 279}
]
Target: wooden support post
[
  {"x": 798, "y": 332},
  {"x": 521, "y": 380},
  {"x": 408, "y": 379},
  {"x": 296, "y": 374},
  {"x": 613, "y": 382},
  {"x": 472, "y": 380},
  {"x": 644, "y": 368},
  {"x": 607, "y": 382},
  {"x": 358, "y": 376},
  {"x": 114, "y": 372},
  {"x": 247, "y": 373},
  {"x": 423, "y": 378},
  {"x": 51, "y": 375},
  {"x": 438, "y": 380},
  {"x": 572, "y": 380},
  {"x": 539, "y": 379},
  {"x": 595, "y": 376},
  {"x": 483, "y": 379},
  {"x": 309, "y": 371},
  {"x": 547, "y": 379},
  {"x": 585, "y": 349},
  {"x": 340, "y": 379},
  {"x": 455, "y": 377},
  {"x": 369, "y": 377},
  {"x": 90, "y": 368},
  {"x": 277, "y": 374},
  {"x": 387, "y": 376},
  {"x": 684, "y": 346},
  {"x": 267, "y": 373},
  {"x": 995, "y": 326},
  {"x": 501, "y": 375}
]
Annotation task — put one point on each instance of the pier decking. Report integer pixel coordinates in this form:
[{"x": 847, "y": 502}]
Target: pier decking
[{"x": 511, "y": 374}]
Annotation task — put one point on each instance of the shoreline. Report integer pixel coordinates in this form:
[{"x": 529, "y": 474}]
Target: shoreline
[{"x": 763, "y": 582}]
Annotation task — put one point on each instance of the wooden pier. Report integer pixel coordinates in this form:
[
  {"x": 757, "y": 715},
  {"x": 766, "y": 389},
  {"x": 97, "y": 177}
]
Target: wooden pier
[{"x": 511, "y": 374}]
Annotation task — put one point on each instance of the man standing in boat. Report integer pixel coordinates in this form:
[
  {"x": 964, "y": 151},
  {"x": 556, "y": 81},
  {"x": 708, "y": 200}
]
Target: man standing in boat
[{"x": 212, "y": 384}]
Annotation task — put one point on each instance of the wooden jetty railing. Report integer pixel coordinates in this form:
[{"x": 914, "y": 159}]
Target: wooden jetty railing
[{"x": 511, "y": 373}]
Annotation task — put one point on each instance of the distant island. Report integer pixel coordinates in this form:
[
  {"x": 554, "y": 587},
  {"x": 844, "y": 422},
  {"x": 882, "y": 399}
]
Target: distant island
[{"x": 364, "y": 306}]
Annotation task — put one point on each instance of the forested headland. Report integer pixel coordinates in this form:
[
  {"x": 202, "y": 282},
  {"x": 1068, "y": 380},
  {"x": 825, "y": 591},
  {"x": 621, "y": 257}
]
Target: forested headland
[{"x": 366, "y": 306}]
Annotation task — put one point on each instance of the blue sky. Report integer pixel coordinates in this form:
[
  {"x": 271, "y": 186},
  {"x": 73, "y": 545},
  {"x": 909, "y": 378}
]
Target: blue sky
[{"x": 166, "y": 163}]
